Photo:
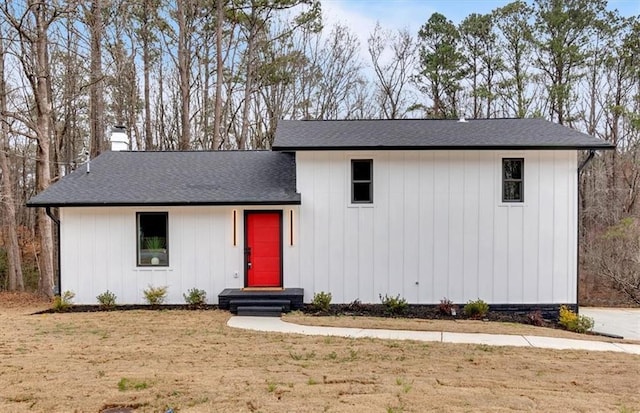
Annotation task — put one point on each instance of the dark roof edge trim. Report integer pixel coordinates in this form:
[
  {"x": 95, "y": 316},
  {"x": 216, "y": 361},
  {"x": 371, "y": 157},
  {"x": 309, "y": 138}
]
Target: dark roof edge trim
[
  {"x": 156, "y": 204},
  {"x": 604, "y": 146}
]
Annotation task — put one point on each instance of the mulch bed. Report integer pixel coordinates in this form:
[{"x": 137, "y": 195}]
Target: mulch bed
[
  {"x": 427, "y": 312},
  {"x": 128, "y": 307},
  {"x": 417, "y": 311}
]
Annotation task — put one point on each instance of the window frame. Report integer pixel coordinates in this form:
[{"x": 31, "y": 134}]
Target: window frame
[
  {"x": 138, "y": 238},
  {"x": 504, "y": 180},
  {"x": 369, "y": 181}
]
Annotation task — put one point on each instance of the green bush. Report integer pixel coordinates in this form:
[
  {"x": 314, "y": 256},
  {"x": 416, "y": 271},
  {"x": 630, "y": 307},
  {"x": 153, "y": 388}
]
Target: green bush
[
  {"x": 394, "y": 305},
  {"x": 195, "y": 297},
  {"x": 63, "y": 302},
  {"x": 574, "y": 322},
  {"x": 107, "y": 299},
  {"x": 155, "y": 295},
  {"x": 321, "y": 301},
  {"x": 476, "y": 309}
]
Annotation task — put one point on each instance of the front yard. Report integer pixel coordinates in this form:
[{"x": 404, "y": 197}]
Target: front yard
[{"x": 191, "y": 361}]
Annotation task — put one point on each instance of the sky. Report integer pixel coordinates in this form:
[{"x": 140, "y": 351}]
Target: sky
[{"x": 361, "y": 15}]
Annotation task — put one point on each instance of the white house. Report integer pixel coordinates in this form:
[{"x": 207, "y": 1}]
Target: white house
[{"x": 424, "y": 209}]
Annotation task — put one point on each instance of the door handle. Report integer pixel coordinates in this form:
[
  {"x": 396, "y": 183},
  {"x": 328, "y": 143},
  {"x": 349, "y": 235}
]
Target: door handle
[{"x": 249, "y": 265}]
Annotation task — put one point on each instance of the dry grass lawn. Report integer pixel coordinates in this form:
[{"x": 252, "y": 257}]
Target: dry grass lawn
[{"x": 192, "y": 362}]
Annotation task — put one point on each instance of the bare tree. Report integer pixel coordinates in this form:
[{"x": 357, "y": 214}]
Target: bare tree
[
  {"x": 338, "y": 75},
  {"x": 615, "y": 254},
  {"x": 146, "y": 15},
  {"x": 185, "y": 15},
  {"x": 16, "y": 281},
  {"x": 93, "y": 12},
  {"x": 392, "y": 76},
  {"x": 31, "y": 27},
  {"x": 217, "y": 107}
]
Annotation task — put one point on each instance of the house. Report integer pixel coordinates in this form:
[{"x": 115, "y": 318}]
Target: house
[{"x": 424, "y": 209}]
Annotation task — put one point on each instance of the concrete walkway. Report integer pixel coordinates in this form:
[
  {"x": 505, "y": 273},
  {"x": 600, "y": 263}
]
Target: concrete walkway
[
  {"x": 623, "y": 322},
  {"x": 276, "y": 325}
]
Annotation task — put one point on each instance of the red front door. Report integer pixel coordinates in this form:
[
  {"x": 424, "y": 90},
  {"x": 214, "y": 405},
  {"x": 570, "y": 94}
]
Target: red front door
[{"x": 263, "y": 248}]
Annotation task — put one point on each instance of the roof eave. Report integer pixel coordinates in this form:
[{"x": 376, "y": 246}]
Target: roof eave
[
  {"x": 442, "y": 147},
  {"x": 157, "y": 204}
]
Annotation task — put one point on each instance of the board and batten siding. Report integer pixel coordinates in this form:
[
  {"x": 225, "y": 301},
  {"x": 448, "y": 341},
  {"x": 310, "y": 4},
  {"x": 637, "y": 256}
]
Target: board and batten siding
[
  {"x": 99, "y": 252},
  {"x": 438, "y": 228}
]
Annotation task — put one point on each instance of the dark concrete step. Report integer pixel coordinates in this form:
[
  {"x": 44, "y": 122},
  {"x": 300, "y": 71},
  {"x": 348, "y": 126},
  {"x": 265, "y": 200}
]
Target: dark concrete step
[
  {"x": 261, "y": 311},
  {"x": 294, "y": 295},
  {"x": 282, "y": 305}
]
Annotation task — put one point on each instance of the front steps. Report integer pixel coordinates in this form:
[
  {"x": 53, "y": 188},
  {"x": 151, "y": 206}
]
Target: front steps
[
  {"x": 259, "y": 310},
  {"x": 256, "y": 302}
]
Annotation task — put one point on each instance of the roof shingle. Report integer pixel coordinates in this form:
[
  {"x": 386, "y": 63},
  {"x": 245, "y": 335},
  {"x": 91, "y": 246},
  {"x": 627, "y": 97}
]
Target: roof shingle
[
  {"x": 430, "y": 134},
  {"x": 178, "y": 178}
]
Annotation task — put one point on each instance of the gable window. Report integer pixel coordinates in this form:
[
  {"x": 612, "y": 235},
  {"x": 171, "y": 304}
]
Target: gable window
[
  {"x": 362, "y": 181},
  {"x": 512, "y": 180},
  {"x": 153, "y": 245}
]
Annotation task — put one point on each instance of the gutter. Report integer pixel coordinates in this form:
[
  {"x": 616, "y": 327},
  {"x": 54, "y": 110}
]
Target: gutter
[
  {"x": 592, "y": 153},
  {"x": 56, "y": 220}
]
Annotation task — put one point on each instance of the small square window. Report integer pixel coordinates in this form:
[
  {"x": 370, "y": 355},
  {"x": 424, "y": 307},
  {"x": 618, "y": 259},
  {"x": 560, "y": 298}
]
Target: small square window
[
  {"x": 512, "y": 180},
  {"x": 153, "y": 240},
  {"x": 362, "y": 181}
]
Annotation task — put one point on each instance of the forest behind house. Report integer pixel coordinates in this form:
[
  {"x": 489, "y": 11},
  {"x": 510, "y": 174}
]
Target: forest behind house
[{"x": 219, "y": 74}]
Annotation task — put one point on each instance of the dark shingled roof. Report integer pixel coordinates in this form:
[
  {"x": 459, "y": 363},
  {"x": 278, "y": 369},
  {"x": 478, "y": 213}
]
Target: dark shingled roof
[
  {"x": 178, "y": 178},
  {"x": 430, "y": 134}
]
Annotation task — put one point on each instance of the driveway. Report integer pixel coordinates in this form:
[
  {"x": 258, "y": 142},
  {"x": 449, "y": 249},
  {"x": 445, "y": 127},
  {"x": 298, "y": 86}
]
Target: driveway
[{"x": 623, "y": 322}]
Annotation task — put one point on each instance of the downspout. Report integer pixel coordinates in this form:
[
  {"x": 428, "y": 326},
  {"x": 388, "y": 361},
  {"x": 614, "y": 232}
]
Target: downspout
[
  {"x": 592, "y": 153},
  {"x": 56, "y": 220}
]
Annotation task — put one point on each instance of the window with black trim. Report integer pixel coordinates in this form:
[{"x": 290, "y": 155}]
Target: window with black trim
[
  {"x": 512, "y": 180},
  {"x": 153, "y": 237},
  {"x": 362, "y": 181}
]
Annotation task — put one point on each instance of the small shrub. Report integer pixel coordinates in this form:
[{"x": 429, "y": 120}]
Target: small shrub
[
  {"x": 394, "y": 305},
  {"x": 476, "y": 309},
  {"x": 107, "y": 299},
  {"x": 535, "y": 318},
  {"x": 155, "y": 295},
  {"x": 63, "y": 302},
  {"x": 447, "y": 307},
  {"x": 321, "y": 301},
  {"x": 195, "y": 297},
  {"x": 574, "y": 322}
]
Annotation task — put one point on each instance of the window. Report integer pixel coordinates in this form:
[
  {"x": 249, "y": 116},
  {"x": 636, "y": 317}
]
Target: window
[
  {"x": 512, "y": 180},
  {"x": 362, "y": 181},
  {"x": 153, "y": 248}
]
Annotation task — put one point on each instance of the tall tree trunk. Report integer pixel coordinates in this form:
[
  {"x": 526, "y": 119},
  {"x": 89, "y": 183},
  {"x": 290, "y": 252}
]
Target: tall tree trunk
[
  {"x": 146, "y": 65},
  {"x": 44, "y": 108},
  {"x": 217, "y": 121},
  {"x": 16, "y": 280},
  {"x": 248, "y": 83},
  {"x": 184, "y": 69},
  {"x": 96, "y": 88}
]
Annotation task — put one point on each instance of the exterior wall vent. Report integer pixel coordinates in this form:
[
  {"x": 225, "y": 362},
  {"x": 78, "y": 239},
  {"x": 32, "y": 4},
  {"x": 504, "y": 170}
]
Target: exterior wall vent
[{"x": 119, "y": 139}]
